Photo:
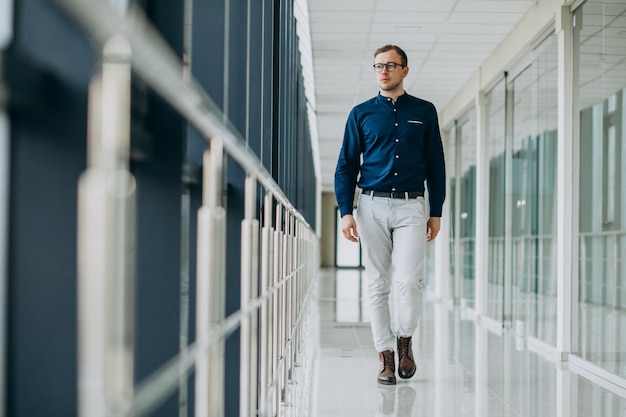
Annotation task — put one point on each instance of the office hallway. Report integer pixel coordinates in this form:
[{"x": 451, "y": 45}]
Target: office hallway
[{"x": 463, "y": 369}]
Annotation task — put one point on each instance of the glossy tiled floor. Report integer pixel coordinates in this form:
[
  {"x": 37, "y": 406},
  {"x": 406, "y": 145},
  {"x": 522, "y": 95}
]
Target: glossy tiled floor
[{"x": 463, "y": 369}]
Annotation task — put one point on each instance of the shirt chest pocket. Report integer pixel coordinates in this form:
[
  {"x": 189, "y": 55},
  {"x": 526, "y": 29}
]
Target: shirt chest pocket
[{"x": 415, "y": 129}]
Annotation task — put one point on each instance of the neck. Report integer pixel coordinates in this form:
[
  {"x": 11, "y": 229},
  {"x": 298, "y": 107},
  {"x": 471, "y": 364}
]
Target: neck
[{"x": 392, "y": 94}]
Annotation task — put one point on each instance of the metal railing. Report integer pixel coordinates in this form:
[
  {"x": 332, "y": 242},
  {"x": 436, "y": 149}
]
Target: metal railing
[
  {"x": 601, "y": 260},
  {"x": 278, "y": 248}
]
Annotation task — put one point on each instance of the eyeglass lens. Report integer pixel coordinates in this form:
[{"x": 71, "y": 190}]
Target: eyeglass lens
[{"x": 391, "y": 66}]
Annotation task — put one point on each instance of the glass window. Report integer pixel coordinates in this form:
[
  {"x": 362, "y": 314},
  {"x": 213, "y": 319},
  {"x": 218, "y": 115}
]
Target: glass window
[
  {"x": 532, "y": 194},
  {"x": 451, "y": 199},
  {"x": 467, "y": 182},
  {"x": 461, "y": 198},
  {"x": 601, "y": 41}
]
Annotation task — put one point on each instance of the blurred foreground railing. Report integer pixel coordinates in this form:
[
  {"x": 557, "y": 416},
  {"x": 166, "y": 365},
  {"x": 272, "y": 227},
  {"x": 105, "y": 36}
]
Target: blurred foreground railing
[{"x": 278, "y": 249}]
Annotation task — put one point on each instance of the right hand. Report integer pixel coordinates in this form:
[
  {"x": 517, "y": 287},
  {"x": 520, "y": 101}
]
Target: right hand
[{"x": 348, "y": 228}]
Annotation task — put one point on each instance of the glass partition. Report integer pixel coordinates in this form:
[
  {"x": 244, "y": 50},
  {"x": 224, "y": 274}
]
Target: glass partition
[
  {"x": 461, "y": 199},
  {"x": 602, "y": 225},
  {"x": 451, "y": 200},
  {"x": 496, "y": 140},
  {"x": 532, "y": 194},
  {"x": 467, "y": 222}
]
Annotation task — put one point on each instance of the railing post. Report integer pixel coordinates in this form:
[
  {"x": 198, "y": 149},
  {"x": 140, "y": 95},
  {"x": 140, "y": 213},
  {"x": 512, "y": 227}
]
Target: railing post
[
  {"x": 249, "y": 291},
  {"x": 210, "y": 287},
  {"x": 276, "y": 307},
  {"x": 6, "y": 34},
  {"x": 284, "y": 315},
  {"x": 297, "y": 306},
  {"x": 106, "y": 242},
  {"x": 266, "y": 313},
  {"x": 616, "y": 272},
  {"x": 288, "y": 298},
  {"x": 583, "y": 269}
]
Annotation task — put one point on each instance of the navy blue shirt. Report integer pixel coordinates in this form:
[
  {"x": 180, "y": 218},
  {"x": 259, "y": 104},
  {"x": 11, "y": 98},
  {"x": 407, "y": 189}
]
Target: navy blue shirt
[{"x": 401, "y": 148}]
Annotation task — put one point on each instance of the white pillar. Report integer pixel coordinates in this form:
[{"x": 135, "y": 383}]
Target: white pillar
[
  {"x": 567, "y": 194},
  {"x": 482, "y": 209}
]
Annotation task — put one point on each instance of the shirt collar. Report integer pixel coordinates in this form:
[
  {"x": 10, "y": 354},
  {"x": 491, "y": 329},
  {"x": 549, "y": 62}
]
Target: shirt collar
[{"x": 384, "y": 99}]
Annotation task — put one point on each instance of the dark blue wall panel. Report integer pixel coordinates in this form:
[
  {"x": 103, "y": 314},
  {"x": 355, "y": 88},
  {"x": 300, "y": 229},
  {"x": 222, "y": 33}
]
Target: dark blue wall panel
[{"x": 48, "y": 78}]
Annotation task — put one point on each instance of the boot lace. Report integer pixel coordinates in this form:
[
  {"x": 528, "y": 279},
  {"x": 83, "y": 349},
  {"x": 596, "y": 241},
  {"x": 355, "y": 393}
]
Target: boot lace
[{"x": 403, "y": 346}]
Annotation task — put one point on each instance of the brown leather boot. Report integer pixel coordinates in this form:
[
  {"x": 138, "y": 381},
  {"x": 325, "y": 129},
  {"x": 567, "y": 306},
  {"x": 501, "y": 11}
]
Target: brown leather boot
[
  {"x": 387, "y": 373},
  {"x": 406, "y": 363}
]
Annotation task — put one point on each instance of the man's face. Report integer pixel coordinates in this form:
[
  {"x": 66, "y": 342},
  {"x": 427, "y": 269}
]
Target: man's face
[{"x": 390, "y": 80}]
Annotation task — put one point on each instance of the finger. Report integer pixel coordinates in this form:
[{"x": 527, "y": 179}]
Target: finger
[
  {"x": 432, "y": 234},
  {"x": 347, "y": 233}
]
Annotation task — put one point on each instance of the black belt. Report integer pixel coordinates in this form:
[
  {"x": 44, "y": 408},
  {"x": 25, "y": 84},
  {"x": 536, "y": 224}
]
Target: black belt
[{"x": 394, "y": 194}]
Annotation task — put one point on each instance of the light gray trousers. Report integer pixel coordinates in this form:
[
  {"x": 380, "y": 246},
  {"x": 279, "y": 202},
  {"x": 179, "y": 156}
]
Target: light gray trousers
[{"x": 393, "y": 237}]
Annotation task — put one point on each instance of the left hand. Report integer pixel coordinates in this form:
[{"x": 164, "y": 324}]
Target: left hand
[{"x": 432, "y": 228}]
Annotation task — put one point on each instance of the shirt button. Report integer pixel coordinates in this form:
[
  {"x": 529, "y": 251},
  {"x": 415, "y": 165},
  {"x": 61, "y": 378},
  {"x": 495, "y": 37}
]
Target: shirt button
[
  {"x": 395, "y": 124},
  {"x": 397, "y": 156},
  {"x": 397, "y": 140},
  {"x": 395, "y": 174},
  {"x": 393, "y": 189}
]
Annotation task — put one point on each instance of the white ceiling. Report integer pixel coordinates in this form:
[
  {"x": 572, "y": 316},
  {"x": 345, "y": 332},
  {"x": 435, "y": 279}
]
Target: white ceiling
[{"x": 445, "y": 40}]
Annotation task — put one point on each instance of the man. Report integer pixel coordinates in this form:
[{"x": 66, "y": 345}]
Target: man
[{"x": 393, "y": 142}]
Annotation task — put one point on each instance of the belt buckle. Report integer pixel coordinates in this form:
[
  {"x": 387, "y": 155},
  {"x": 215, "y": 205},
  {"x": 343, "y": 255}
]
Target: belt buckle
[{"x": 402, "y": 194}]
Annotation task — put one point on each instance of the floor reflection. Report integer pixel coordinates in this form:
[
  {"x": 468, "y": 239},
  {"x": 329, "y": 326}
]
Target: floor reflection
[
  {"x": 463, "y": 369},
  {"x": 395, "y": 401},
  {"x": 351, "y": 294}
]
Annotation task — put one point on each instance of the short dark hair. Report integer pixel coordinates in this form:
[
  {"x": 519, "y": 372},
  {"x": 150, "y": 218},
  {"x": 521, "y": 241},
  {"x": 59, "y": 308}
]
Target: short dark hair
[{"x": 396, "y": 48}]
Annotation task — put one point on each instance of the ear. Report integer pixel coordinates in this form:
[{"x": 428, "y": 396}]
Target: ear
[{"x": 405, "y": 71}]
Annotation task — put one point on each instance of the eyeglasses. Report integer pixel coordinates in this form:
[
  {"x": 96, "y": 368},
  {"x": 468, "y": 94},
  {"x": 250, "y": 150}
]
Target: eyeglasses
[{"x": 391, "y": 66}]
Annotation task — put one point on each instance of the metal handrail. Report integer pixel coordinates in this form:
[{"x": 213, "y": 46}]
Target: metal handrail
[{"x": 154, "y": 61}]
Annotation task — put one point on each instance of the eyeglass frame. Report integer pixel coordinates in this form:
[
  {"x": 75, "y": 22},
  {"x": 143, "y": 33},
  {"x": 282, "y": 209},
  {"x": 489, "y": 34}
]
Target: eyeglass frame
[{"x": 389, "y": 69}]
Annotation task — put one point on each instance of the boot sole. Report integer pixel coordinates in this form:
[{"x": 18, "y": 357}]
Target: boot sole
[{"x": 386, "y": 382}]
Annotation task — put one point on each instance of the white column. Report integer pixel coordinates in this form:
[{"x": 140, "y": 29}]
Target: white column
[
  {"x": 482, "y": 209},
  {"x": 567, "y": 194}
]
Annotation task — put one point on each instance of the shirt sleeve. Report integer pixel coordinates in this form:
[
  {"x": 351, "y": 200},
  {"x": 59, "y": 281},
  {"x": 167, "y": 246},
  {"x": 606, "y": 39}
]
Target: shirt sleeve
[
  {"x": 436, "y": 171},
  {"x": 348, "y": 164}
]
